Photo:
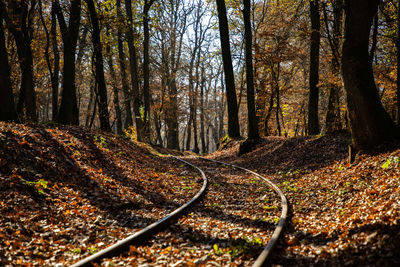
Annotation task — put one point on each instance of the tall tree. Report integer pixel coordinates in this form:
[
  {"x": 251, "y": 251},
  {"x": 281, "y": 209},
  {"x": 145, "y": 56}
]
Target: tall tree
[
  {"x": 313, "y": 121},
  {"x": 56, "y": 65},
  {"x": 51, "y": 37},
  {"x": 202, "y": 115},
  {"x": 99, "y": 66},
  {"x": 398, "y": 63},
  {"x": 176, "y": 27},
  {"x": 7, "y": 105},
  {"x": 69, "y": 112},
  {"x": 198, "y": 35},
  {"x": 134, "y": 71},
  {"x": 369, "y": 122},
  {"x": 122, "y": 65},
  {"x": 146, "y": 71},
  {"x": 251, "y": 108},
  {"x": 233, "y": 119},
  {"x": 333, "y": 121},
  {"x": 19, "y": 19},
  {"x": 110, "y": 62}
]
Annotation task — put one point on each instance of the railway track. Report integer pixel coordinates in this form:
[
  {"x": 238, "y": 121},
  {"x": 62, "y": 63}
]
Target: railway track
[
  {"x": 220, "y": 224},
  {"x": 261, "y": 259}
]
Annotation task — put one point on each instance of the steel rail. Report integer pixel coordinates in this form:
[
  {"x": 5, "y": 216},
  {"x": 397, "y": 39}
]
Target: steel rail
[
  {"x": 261, "y": 260},
  {"x": 140, "y": 236}
]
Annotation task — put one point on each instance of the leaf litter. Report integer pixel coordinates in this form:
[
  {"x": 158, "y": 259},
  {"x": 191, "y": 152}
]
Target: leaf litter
[{"x": 67, "y": 192}]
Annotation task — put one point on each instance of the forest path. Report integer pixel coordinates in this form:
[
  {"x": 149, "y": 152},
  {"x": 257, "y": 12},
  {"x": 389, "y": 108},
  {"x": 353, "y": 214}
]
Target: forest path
[
  {"x": 230, "y": 226},
  {"x": 340, "y": 214}
]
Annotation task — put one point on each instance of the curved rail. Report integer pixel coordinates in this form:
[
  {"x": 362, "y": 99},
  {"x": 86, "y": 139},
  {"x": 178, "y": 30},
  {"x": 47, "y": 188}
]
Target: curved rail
[
  {"x": 266, "y": 251},
  {"x": 148, "y": 231}
]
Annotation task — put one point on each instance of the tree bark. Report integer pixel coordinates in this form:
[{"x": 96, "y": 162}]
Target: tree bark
[
  {"x": 195, "y": 132},
  {"x": 55, "y": 69},
  {"x": 268, "y": 114},
  {"x": 134, "y": 71},
  {"x": 56, "y": 64},
  {"x": 99, "y": 68},
  {"x": 374, "y": 38},
  {"x": 89, "y": 106},
  {"x": 313, "y": 121},
  {"x": 233, "y": 119},
  {"x": 333, "y": 118},
  {"x": 370, "y": 124},
  {"x": 20, "y": 25},
  {"x": 221, "y": 112},
  {"x": 174, "y": 62},
  {"x": 278, "y": 106},
  {"x": 146, "y": 71},
  {"x": 121, "y": 60},
  {"x": 251, "y": 109},
  {"x": 189, "y": 131},
  {"x": 202, "y": 116},
  {"x": 69, "y": 112},
  {"x": 8, "y": 111},
  {"x": 118, "y": 113},
  {"x": 398, "y": 63}
]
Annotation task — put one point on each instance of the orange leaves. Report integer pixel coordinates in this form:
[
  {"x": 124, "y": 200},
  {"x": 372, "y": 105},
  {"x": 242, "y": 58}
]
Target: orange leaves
[
  {"x": 167, "y": 250},
  {"x": 23, "y": 142},
  {"x": 292, "y": 241}
]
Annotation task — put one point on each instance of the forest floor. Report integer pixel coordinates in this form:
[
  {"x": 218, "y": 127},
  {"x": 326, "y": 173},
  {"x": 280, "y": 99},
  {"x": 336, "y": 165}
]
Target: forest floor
[
  {"x": 341, "y": 214},
  {"x": 67, "y": 192}
]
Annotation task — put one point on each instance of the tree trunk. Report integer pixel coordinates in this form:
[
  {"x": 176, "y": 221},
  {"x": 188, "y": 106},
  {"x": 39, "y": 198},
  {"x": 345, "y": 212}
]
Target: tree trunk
[
  {"x": 172, "y": 117},
  {"x": 195, "y": 132},
  {"x": 69, "y": 112},
  {"x": 398, "y": 63},
  {"x": 369, "y": 122},
  {"x": 174, "y": 61},
  {"x": 202, "y": 119},
  {"x": 233, "y": 120},
  {"x": 20, "y": 25},
  {"x": 333, "y": 122},
  {"x": 267, "y": 131},
  {"x": 278, "y": 106},
  {"x": 118, "y": 115},
  {"x": 146, "y": 71},
  {"x": 189, "y": 130},
  {"x": 251, "y": 109},
  {"x": 55, "y": 69},
  {"x": 56, "y": 64},
  {"x": 121, "y": 60},
  {"x": 134, "y": 71},
  {"x": 99, "y": 66},
  {"x": 221, "y": 112},
  {"x": 374, "y": 38},
  {"x": 333, "y": 118},
  {"x": 313, "y": 122},
  {"x": 8, "y": 111},
  {"x": 157, "y": 124},
  {"x": 89, "y": 106},
  {"x": 191, "y": 101}
]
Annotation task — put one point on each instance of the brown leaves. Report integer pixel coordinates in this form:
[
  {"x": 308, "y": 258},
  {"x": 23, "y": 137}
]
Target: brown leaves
[
  {"x": 101, "y": 188},
  {"x": 67, "y": 192},
  {"x": 336, "y": 205}
]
